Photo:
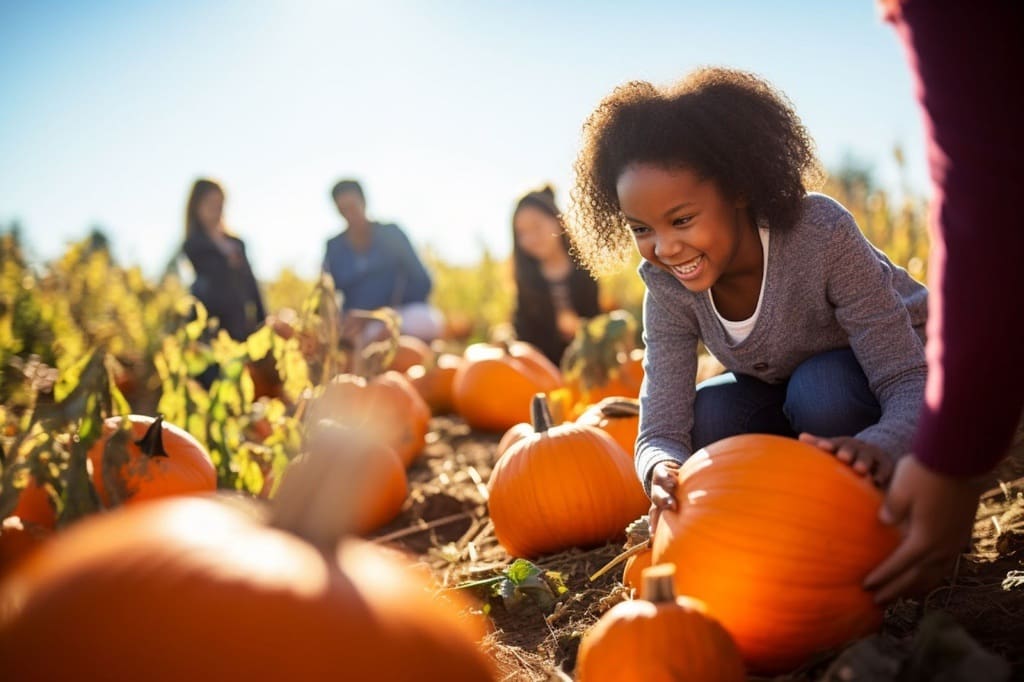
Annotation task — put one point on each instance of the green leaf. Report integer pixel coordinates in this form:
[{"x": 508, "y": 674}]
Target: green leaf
[
  {"x": 70, "y": 377},
  {"x": 259, "y": 343},
  {"x": 520, "y": 571}
]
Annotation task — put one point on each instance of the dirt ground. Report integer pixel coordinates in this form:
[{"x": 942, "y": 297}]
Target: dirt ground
[{"x": 445, "y": 524}]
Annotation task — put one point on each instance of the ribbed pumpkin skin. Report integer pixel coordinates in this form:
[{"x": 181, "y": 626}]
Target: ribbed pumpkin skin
[
  {"x": 571, "y": 486},
  {"x": 386, "y": 406},
  {"x": 623, "y": 429},
  {"x": 776, "y": 536},
  {"x": 641, "y": 641},
  {"x": 493, "y": 387},
  {"x": 199, "y": 591},
  {"x": 186, "y": 469}
]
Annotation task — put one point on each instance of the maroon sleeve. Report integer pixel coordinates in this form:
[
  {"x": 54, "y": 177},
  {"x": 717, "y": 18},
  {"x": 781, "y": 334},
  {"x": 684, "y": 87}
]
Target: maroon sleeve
[{"x": 967, "y": 59}]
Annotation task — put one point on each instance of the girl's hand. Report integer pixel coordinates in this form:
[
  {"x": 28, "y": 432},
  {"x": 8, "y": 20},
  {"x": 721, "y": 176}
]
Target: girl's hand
[
  {"x": 664, "y": 483},
  {"x": 864, "y": 458}
]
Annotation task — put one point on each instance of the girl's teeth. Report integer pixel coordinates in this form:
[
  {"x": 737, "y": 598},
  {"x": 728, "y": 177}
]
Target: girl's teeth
[{"x": 687, "y": 269}]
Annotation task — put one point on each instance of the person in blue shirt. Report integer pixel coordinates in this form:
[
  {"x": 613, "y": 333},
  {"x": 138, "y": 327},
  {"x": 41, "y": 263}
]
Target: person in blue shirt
[{"x": 374, "y": 265}]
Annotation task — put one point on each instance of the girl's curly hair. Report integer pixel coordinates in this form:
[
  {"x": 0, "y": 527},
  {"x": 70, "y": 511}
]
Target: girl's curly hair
[{"x": 728, "y": 126}]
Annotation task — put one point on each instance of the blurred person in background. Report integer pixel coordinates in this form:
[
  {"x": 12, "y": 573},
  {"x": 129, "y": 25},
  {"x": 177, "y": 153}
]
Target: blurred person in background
[
  {"x": 553, "y": 292},
  {"x": 224, "y": 281},
  {"x": 960, "y": 54},
  {"x": 374, "y": 265}
]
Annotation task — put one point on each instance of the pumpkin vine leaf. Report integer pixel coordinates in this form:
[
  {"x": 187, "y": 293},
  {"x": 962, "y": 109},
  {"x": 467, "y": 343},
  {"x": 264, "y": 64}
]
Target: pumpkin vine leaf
[{"x": 522, "y": 583}]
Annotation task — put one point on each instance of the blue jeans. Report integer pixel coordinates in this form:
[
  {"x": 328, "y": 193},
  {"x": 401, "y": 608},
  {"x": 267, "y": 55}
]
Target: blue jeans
[{"x": 827, "y": 395}]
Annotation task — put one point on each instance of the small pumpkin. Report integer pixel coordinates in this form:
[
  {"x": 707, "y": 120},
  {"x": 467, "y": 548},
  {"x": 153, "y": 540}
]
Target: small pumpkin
[
  {"x": 776, "y": 537},
  {"x": 617, "y": 416},
  {"x": 638, "y": 535},
  {"x": 434, "y": 382},
  {"x": 18, "y": 539},
  {"x": 159, "y": 459},
  {"x": 493, "y": 387},
  {"x": 411, "y": 351},
  {"x": 385, "y": 406},
  {"x": 177, "y": 574},
  {"x": 563, "y": 486},
  {"x": 35, "y": 505},
  {"x": 658, "y": 637}
]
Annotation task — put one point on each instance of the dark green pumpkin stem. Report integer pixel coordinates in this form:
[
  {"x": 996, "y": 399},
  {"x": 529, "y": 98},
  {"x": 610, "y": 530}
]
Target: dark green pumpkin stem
[
  {"x": 152, "y": 444},
  {"x": 540, "y": 413}
]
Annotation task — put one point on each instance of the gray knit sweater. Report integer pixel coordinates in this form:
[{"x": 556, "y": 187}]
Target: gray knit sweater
[{"x": 826, "y": 287}]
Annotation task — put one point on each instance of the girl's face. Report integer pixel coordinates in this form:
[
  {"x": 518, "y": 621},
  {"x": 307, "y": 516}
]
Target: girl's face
[
  {"x": 539, "y": 234},
  {"x": 683, "y": 224},
  {"x": 210, "y": 209}
]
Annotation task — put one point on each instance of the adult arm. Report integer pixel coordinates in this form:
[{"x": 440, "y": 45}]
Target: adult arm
[{"x": 417, "y": 283}]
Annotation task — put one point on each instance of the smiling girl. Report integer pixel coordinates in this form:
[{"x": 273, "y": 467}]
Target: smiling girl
[{"x": 822, "y": 335}]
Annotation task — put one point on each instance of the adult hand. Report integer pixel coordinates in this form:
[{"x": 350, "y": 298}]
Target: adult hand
[
  {"x": 664, "y": 483},
  {"x": 936, "y": 516},
  {"x": 864, "y": 458}
]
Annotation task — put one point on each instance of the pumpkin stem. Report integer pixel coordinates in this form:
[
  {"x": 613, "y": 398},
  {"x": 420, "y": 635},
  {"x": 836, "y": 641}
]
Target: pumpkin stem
[
  {"x": 659, "y": 583},
  {"x": 152, "y": 443},
  {"x": 620, "y": 407},
  {"x": 540, "y": 413}
]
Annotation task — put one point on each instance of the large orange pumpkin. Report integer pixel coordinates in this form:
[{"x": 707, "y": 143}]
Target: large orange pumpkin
[
  {"x": 160, "y": 459},
  {"x": 659, "y": 637},
  {"x": 618, "y": 417},
  {"x": 563, "y": 486},
  {"x": 776, "y": 537},
  {"x": 387, "y": 407},
  {"x": 493, "y": 387},
  {"x": 434, "y": 382},
  {"x": 204, "y": 590}
]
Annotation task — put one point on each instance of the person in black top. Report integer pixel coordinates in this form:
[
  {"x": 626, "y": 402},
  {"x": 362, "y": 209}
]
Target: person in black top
[
  {"x": 553, "y": 292},
  {"x": 224, "y": 280}
]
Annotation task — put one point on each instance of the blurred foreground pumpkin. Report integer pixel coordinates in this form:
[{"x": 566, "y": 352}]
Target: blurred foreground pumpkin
[
  {"x": 776, "y": 536},
  {"x": 199, "y": 589}
]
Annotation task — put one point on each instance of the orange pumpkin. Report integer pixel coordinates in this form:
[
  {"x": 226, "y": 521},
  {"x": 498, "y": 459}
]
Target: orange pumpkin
[
  {"x": 35, "y": 505},
  {"x": 512, "y": 436},
  {"x": 776, "y": 537},
  {"x": 632, "y": 367},
  {"x": 160, "y": 459},
  {"x": 18, "y": 539},
  {"x": 635, "y": 566},
  {"x": 179, "y": 573},
  {"x": 659, "y": 637},
  {"x": 411, "y": 351},
  {"x": 386, "y": 406},
  {"x": 493, "y": 387},
  {"x": 563, "y": 486},
  {"x": 434, "y": 382},
  {"x": 618, "y": 417}
]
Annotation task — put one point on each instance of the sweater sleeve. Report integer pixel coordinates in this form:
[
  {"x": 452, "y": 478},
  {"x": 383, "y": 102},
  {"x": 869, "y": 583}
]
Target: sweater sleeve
[
  {"x": 417, "y": 282},
  {"x": 881, "y": 334},
  {"x": 975, "y": 390},
  {"x": 668, "y": 389}
]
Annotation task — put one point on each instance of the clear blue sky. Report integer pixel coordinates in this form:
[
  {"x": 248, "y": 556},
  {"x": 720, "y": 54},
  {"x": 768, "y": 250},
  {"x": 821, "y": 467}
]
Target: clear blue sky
[{"x": 445, "y": 110}]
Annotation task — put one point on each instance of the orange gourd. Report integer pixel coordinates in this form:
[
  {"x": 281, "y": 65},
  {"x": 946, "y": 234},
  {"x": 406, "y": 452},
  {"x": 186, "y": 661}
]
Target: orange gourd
[
  {"x": 386, "y": 406},
  {"x": 204, "y": 590},
  {"x": 563, "y": 486},
  {"x": 160, "y": 459},
  {"x": 776, "y": 537},
  {"x": 493, "y": 387},
  {"x": 434, "y": 382},
  {"x": 618, "y": 417},
  {"x": 661, "y": 637},
  {"x": 411, "y": 351},
  {"x": 35, "y": 505}
]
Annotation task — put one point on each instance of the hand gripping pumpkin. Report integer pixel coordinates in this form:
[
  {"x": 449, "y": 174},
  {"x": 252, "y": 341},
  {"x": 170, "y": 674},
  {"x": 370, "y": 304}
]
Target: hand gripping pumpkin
[
  {"x": 776, "y": 536},
  {"x": 493, "y": 387},
  {"x": 157, "y": 459},
  {"x": 659, "y": 638},
  {"x": 563, "y": 486},
  {"x": 196, "y": 589}
]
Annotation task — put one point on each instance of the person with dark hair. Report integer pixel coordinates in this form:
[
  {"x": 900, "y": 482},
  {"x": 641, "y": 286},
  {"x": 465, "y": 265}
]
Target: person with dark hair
[
  {"x": 553, "y": 292},
  {"x": 822, "y": 335},
  {"x": 224, "y": 281},
  {"x": 374, "y": 265},
  {"x": 960, "y": 53}
]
